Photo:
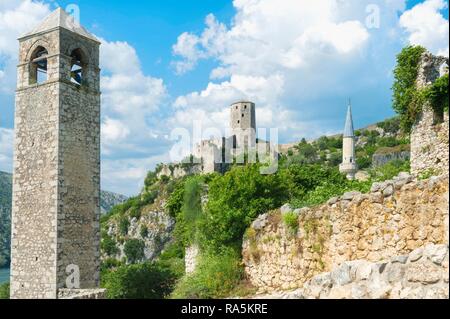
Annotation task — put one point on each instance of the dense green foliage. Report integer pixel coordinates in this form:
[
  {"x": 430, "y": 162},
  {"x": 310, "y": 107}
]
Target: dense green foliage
[
  {"x": 216, "y": 276},
  {"x": 235, "y": 200},
  {"x": 134, "y": 250},
  {"x": 108, "y": 245},
  {"x": 406, "y": 98},
  {"x": 389, "y": 170},
  {"x": 4, "y": 291},
  {"x": 143, "y": 281},
  {"x": 437, "y": 94}
]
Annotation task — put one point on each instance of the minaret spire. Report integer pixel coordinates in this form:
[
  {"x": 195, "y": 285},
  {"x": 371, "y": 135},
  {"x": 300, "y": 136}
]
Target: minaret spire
[
  {"x": 349, "y": 130},
  {"x": 348, "y": 165}
]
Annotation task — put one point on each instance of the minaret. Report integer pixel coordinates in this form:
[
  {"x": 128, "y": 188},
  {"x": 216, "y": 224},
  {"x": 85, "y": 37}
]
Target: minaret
[
  {"x": 56, "y": 188},
  {"x": 348, "y": 165}
]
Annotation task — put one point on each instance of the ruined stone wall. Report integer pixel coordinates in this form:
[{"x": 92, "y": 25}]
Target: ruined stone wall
[
  {"x": 395, "y": 218},
  {"x": 423, "y": 274},
  {"x": 429, "y": 135},
  {"x": 82, "y": 294},
  {"x": 429, "y": 144}
]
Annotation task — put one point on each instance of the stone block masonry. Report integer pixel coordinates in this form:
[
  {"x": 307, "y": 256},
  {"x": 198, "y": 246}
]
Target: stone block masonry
[
  {"x": 394, "y": 219},
  {"x": 56, "y": 185},
  {"x": 429, "y": 135},
  {"x": 423, "y": 274}
]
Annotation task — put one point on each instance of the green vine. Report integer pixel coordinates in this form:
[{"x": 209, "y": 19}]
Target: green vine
[
  {"x": 408, "y": 101},
  {"x": 437, "y": 94}
]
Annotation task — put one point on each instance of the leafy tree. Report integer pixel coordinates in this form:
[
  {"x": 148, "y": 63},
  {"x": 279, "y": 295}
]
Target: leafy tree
[
  {"x": 124, "y": 223},
  {"x": 235, "y": 200},
  {"x": 108, "y": 245},
  {"x": 142, "y": 281},
  {"x": 406, "y": 98},
  {"x": 134, "y": 250},
  {"x": 437, "y": 94},
  {"x": 216, "y": 277}
]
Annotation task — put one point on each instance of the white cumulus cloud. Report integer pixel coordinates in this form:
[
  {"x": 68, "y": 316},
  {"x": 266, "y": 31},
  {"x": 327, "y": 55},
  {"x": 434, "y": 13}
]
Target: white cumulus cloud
[{"x": 427, "y": 26}]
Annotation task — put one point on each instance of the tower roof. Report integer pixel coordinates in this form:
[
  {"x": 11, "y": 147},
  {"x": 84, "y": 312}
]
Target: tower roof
[
  {"x": 60, "y": 19},
  {"x": 349, "y": 131}
]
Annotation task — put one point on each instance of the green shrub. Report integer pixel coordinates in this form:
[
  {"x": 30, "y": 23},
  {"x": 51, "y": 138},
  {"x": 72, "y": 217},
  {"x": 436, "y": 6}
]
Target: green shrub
[
  {"x": 427, "y": 174},
  {"x": 135, "y": 213},
  {"x": 390, "y": 125},
  {"x": 142, "y": 281},
  {"x": 124, "y": 224},
  {"x": 364, "y": 162},
  {"x": 175, "y": 201},
  {"x": 437, "y": 94},
  {"x": 389, "y": 170},
  {"x": 406, "y": 98},
  {"x": 109, "y": 264},
  {"x": 215, "y": 277},
  {"x": 143, "y": 231},
  {"x": 235, "y": 200},
  {"x": 291, "y": 221},
  {"x": 108, "y": 245},
  {"x": 134, "y": 250},
  {"x": 4, "y": 291}
]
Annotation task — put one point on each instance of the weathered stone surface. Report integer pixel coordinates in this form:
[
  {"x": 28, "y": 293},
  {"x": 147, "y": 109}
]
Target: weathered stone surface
[
  {"x": 190, "y": 258},
  {"x": 367, "y": 228},
  {"x": 430, "y": 133},
  {"x": 436, "y": 253},
  {"x": 421, "y": 279},
  {"x": 56, "y": 188},
  {"x": 286, "y": 209}
]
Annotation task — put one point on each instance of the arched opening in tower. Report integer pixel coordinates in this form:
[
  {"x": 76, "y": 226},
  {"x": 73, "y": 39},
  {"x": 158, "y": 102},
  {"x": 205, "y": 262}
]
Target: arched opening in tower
[
  {"x": 39, "y": 65},
  {"x": 77, "y": 68}
]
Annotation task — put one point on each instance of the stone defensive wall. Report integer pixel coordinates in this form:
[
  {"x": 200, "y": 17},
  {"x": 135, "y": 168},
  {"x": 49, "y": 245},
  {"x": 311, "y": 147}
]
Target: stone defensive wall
[{"x": 394, "y": 219}]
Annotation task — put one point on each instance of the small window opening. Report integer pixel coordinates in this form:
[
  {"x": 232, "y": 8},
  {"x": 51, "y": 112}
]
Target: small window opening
[
  {"x": 77, "y": 67},
  {"x": 239, "y": 122},
  {"x": 243, "y": 115},
  {"x": 245, "y": 107},
  {"x": 38, "y": 72}
]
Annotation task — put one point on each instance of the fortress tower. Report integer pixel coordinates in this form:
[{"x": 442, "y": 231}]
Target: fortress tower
[
  {"x": 348, "y": 165},
  {"x": 56, "y": 187},
  {"x": 243, "y": 124}
]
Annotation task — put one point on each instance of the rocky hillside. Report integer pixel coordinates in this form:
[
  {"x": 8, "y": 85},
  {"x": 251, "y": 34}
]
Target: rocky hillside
[
  {"x": 139, "y": 229},
  {"x": 107, "y": 202}
]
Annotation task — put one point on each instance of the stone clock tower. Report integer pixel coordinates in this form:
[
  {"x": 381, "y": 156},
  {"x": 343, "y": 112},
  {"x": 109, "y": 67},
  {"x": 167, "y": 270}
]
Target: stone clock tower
[{"x": 56, "y": 187}]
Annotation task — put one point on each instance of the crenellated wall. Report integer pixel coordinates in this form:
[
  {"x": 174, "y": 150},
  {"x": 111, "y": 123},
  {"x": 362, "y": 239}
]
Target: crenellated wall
[{"x": 394, "y": 219}]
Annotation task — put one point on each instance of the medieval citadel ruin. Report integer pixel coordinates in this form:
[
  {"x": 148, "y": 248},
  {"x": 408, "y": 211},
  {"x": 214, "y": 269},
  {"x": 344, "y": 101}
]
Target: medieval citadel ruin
[{"x": 401, "y": 226}]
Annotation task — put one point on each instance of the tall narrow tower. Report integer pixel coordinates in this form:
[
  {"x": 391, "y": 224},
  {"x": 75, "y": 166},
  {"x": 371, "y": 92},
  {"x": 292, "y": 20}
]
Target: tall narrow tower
[
  {"x": 56, "y": 187},
  {"x": 243, "y": 124},
  {"x": 348, "y": 165}
]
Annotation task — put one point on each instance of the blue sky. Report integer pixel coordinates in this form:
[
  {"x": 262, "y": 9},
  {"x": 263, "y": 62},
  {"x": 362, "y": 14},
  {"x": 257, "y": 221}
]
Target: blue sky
[{"x": 167, "y": 63}]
